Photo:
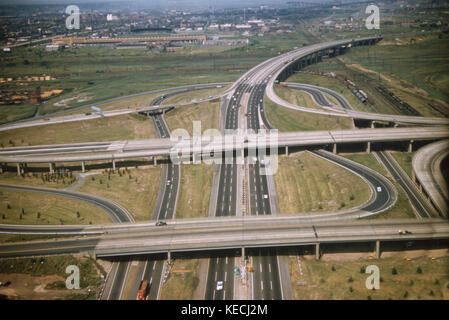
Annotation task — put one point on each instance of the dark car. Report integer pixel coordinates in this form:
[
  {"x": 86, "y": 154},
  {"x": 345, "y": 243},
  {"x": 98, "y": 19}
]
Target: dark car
[{"x": 160, "y": 223}]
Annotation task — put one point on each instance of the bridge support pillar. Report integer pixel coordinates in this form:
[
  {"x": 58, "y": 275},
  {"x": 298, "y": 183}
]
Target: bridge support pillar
[
  {"x": 18, "y": 169},
  {"x": 335, "y": 148},
  {"x": 196, "y": 157},
  {"x": 377, "y": 249},
  {"x": 51, "y": 167},
  {"x": 83, "y": 167},
  {"x": 154, "y": 161},
  {"x": 317, "y": 251},
  {"x": 368, "y": 147},
  {"x": 168, "y": 256},
  {"x": 410, "y": 146},
  {"x": 372, "y": 124},
  {"x": 243, "y": 254},
  {"x": 286, "y": 151},
  {"x": 113, "y": 164}
]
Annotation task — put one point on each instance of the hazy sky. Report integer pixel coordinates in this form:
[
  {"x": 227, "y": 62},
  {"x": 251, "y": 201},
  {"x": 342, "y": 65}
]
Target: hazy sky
[{"x": 158, "y": 3}]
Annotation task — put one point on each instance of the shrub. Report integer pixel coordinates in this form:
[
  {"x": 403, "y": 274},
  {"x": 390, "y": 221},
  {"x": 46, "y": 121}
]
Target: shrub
[{"x": 394, "y": 271}]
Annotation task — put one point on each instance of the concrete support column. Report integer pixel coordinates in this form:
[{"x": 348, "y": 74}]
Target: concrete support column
[
  {"x": 368, "y": 147},
  {"x": 372, "y": 124},
  {"x": 317, "y": 251},
  {"x": 83, "y": 167},
  {"x": 410, "y": 146},
  {"x": 113, "y": 164},
  {"x": 154, "y": 161},
  {"x": 335, "y": 148},
  {"x": 243, "y": 254},
  {"x": 286, "y": 151},
  {"x": 51, "y": 167},
  {"x": 196, "y": 157},
  {"x": 169, "y": 257},
  {"x": 18, "y": 169},
  {"x": 377, "y": 249}
]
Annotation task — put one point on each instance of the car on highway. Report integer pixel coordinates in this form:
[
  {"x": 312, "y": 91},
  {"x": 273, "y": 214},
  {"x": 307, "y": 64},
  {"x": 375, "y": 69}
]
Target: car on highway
[
  {"x": 168, "y": 182},
  {"x": 219, "y": 285},
  {"x": 161, "y": 223},
  {"x": 379, "y": 189},
  {"x": 404, "y": 232}
]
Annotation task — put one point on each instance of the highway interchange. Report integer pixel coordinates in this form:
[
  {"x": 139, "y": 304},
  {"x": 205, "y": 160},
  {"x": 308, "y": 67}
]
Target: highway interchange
[{"x": 243, "y": 108}]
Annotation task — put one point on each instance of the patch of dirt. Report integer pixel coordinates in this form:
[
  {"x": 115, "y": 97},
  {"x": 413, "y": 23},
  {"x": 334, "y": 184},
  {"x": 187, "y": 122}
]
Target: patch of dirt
[{"x": 27, "y": 287}]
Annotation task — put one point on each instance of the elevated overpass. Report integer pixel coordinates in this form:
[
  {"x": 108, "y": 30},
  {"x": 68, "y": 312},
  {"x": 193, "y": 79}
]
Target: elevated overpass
[
  {"x": 427, "y": 165},
  {"x": 217, "y": 145},
  {"x": 242, "y": 232}
]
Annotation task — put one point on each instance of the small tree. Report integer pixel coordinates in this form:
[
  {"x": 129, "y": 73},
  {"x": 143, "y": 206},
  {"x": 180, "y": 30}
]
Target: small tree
[
  {"x": 362, "y": 269},
  {"x": 394, "y": 271},
  {"x": 405, "y": 294},
  {"x": 38, "y": 215},
  {"x": 333, "y": 268},
  {"x": 78, "y": 214},
  {"x": 418, "y": 270},
  {"x": 350, "y": 279},
  {"x": 8, "y": 206}
]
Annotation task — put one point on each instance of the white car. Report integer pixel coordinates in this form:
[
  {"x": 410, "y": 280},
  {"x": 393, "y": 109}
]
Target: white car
[
  {"x": 379, "y": 189},
  {"x": 219, "y": 285}
]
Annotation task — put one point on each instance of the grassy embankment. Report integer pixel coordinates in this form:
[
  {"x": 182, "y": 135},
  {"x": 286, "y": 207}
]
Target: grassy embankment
[
  {"x": 345, "y": 279},
  {"x": 35, "y": 208},
  {"x": 293, "y": 120},
  {"x": 134, "y": 189},
  {"x": 307, "y": 183}
]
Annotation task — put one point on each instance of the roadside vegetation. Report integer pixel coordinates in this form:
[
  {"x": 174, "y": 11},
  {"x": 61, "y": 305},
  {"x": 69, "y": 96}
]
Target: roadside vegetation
[
  {"x": 183, "y": 280},
  {"x": 402, "y": 207},
  {"x": 285, "y": 119},
  {"x": 38, "y": 179},
  {"x": 420, "y": 278},
  {"x": 21, "y": 207},
  {"x": 135, "y": 189},
  {"x": 44, "y": 277},
  {"x": 307, "y": 183},
  {"x": 195, "y": 190},
  {"x": 126, "y": 127}
]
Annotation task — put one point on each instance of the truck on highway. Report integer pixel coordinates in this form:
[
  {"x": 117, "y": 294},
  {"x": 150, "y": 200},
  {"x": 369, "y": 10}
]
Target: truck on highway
[{"x": 143, "y": 290}]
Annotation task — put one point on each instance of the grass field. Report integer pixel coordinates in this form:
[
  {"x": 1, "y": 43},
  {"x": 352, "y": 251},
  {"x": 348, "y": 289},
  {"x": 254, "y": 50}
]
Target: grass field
[
  {"x": 285, "y": 119},
  {"x": 343, "y": 280},
  {"x": 125, "y": 127},
  {"x": 182, "y": 117},
  {"x": 37, "y": 180},
  {"x": 37, "y": 208},
  {"x": 296, "y": 97},
  {"x": 195, "y": 189},
  {"x": 307, "y": 183},
  {"x": 134, "y": 189},
  {"x": 181, "y": 286},
  {"x": 402, "y": 208}
]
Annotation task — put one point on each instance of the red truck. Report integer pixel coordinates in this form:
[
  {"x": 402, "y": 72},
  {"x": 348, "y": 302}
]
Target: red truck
[{"x": 143, "y": 290}]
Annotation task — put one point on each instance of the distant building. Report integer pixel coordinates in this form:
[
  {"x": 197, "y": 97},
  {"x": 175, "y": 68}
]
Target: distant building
[
  {"x": 7, "y": 50},
  {"x": 52, "y": 47}
]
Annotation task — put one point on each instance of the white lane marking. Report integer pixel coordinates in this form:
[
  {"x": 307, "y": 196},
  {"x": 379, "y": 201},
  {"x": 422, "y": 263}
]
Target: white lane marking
[
  {"x": 271, "y": 285},
  {"x": 215, "y": 276},
  {"x": 154, "y": 265},
  {"x": 226, "y": 275},
  {"x": 261, "y": 285},
  {"x": 260, "y": 267},
  {"x": 269, "y": 267}
]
